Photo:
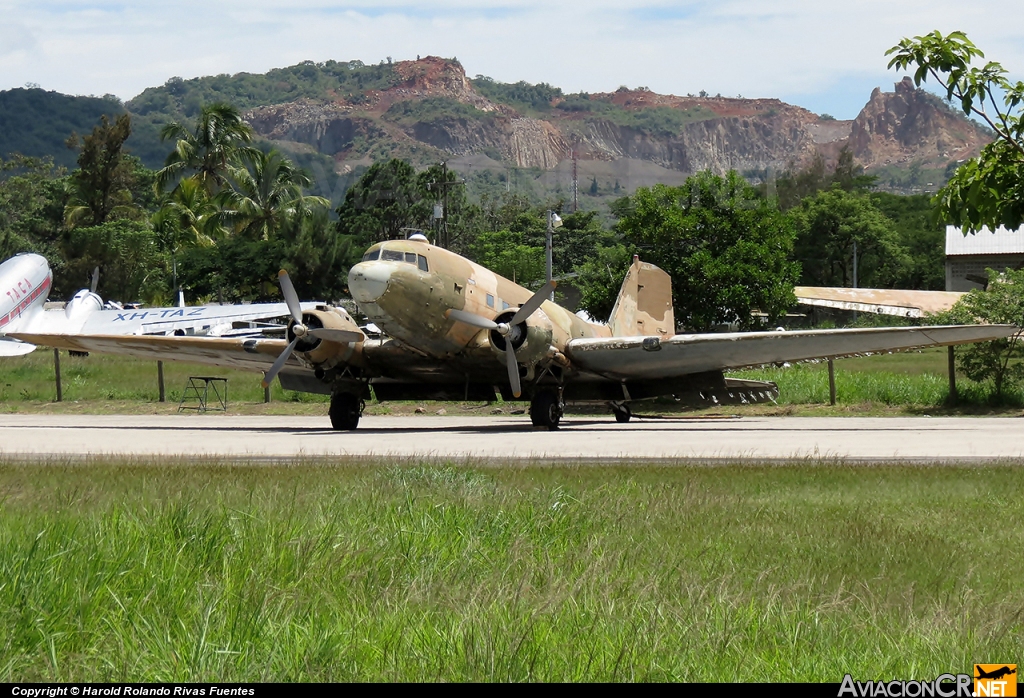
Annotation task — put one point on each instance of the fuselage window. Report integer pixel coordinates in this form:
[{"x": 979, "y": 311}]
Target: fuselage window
[
  {"x": 410, "y": 257},
  {"x": 490, "y": 301},
  {"x": 504, "y": 305},
  {"x": 423, "y": 263},
  {"x": 392, "y": 256},
  {"x": 371, "y": 255}
]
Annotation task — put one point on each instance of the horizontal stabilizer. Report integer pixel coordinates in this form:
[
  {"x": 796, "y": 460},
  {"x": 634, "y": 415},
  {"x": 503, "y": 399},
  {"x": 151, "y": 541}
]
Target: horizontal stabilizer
[{"x": 12, "y": 348}]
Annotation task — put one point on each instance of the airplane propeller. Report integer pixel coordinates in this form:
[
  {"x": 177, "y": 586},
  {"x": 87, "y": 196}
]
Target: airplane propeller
[
  {"x": 95, "y": 280},
  {"x": 302, "y": 331},
  {"x": 507, "y": 329}
]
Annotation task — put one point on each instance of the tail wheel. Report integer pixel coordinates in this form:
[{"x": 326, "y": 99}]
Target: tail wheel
[
  {"x": 546, "y": 409},
  {"x": 622, "y": 413},
  {"x": 345, "y": 411}
]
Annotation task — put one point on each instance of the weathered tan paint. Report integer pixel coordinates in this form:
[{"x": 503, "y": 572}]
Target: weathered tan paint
[
  {"x": 898, "y": 302},
  {"x": 644, "y": 305},
  {"x": 412, "y": 308}
]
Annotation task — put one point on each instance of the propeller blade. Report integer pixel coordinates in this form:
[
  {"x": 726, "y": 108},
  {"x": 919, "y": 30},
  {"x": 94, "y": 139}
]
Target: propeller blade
[
  {"x": 530, "y": 306},
  {"x": 332, "y": 335},
  {"x": 270, "y": 375},
  {"x": 95, "y": 280},
  {"x": 290, "y": 297},
  {"x": 471, "y": 319},
  {"x": 513, "y": 368}
]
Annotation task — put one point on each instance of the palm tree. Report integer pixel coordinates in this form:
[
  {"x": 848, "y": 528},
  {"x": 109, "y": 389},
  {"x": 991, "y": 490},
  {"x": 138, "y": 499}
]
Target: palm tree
[
  {"x": 210, "y": 150},
  {"x": 187, "y": 218},
  {"x": 191, "y": 211},
  {"x": 267, "y": 195}
]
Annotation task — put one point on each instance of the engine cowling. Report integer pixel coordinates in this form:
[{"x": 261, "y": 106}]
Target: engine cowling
[
  {"x": 531, "y": 338},
  {"x": 321, "y": 353}
]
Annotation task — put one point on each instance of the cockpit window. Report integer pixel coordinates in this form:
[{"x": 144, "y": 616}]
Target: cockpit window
[
  {"x": 371, "y": 255},
  {"x": 423, "y": 263},
  {"x": 392, "y": 256},
  {"x": 410, "y": 257}
]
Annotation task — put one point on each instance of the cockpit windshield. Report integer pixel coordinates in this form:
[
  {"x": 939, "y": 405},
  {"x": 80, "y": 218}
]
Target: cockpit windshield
[{"x": 386, "y": 255}]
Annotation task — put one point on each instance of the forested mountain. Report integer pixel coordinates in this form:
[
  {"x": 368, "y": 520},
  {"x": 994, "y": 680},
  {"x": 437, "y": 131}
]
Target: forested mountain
[{"x": 339, "y": 117}]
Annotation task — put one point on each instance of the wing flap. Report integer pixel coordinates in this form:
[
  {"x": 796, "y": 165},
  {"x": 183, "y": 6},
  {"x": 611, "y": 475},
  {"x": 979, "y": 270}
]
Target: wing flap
[
  {"x": 653, "y": 358},
  {"x": 252, "y": 354}
]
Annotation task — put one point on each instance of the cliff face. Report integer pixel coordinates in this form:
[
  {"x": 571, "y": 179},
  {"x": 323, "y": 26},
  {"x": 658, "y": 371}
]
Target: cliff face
[
  {"x": 436, "y": 112},
  {"x": 912, "y": 125}
]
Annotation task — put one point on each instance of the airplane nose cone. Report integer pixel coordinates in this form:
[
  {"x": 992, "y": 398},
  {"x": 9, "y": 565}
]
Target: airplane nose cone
[{"x": 368, "y": 281}]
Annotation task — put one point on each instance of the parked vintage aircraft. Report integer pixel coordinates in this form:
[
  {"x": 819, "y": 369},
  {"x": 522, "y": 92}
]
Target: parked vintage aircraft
[
  {"x": 25, "y": 281},
  {"x": 456, "y": 330}
]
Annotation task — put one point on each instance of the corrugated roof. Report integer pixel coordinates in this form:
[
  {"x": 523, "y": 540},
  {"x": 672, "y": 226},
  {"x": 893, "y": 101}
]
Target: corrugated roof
[{"x": 1002, "y": 241}]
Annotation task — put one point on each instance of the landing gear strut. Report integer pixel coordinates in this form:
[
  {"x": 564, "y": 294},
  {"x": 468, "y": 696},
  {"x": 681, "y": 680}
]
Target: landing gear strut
[
  {"x": 546, "y": 409},
  {"x": 345, "y": 411},
  {"x": 622, "y": 413}
]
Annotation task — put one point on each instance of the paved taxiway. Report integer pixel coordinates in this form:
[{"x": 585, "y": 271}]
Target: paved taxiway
[{"x": 770, "y": 438}]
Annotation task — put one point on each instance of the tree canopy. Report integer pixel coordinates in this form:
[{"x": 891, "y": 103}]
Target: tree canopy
[
  {"x": 989, "y": 190},
  {"x": 727, "y": 249}
]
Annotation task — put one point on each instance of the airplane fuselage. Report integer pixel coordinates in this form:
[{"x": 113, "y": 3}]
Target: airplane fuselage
[
  {"x": 405, "y": 287},
  {"x": 25, "y": 281}
]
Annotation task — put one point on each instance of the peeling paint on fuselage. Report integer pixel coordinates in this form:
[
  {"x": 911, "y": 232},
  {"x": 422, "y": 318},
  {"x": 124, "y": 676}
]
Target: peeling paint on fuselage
[{"x": 413, "y": 306}]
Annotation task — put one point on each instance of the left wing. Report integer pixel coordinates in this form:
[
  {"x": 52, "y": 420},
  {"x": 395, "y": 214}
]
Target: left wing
[
  {"x": 202, "y": 319},
  {"x": 211, "y": 320},
  {"x": 654, "y": 358}
]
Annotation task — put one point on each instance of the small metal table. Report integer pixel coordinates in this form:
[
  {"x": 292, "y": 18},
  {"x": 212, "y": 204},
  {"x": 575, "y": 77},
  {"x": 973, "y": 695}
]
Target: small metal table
[{"x": 199, "y": 388}]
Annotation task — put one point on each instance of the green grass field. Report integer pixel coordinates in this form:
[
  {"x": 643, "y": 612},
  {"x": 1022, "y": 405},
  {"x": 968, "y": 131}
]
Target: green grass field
[
  {"x": 410, "y": 571},
  {"x": 888, "y": 384}
]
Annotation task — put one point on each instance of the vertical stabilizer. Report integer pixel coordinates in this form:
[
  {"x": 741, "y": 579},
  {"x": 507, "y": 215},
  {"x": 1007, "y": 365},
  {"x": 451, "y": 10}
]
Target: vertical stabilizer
[{"x": 644, "y": 305}]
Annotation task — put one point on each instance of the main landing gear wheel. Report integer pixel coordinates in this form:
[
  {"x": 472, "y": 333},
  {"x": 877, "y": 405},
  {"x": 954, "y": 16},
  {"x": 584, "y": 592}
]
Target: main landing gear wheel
[
  {"x": 622, "y": 413},
  {"x": 546, "y": 409},
  {"x": 345, "y": 411}
]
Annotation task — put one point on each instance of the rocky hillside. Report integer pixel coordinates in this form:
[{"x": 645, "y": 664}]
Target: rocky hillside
[
  {"x": 433, "y": 111},
  {"x": 342, "y": 116}
]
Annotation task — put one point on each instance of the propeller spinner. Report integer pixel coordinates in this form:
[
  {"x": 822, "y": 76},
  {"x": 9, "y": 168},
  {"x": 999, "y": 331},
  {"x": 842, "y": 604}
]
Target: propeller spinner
[{"x": 507, "y": 328}]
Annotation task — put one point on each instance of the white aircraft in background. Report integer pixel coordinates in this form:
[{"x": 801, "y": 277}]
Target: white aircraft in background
[{"x": 25, "y": 282}]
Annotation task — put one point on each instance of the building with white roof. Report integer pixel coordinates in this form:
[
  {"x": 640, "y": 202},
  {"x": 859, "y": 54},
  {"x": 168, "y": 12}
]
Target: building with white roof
[{"x": 969, "y": 256}]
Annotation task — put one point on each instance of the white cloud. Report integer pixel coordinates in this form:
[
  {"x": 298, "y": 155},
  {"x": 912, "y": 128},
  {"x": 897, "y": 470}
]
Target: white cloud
[{"x": 823, "y": 55}]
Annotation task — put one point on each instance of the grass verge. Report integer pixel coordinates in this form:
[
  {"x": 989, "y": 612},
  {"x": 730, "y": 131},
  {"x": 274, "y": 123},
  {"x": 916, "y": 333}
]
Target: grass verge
[{"x": 336, "y": 571}]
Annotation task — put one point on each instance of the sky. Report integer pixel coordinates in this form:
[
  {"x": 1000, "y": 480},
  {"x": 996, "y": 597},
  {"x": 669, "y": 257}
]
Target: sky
[{"x": 824, "y": 55}]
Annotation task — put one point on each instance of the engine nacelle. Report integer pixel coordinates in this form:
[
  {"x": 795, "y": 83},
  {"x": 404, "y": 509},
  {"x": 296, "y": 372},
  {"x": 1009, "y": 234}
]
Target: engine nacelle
[
  {"x": 83, "y": 304},
  {"x": 531, "y": 339},
  {"x": 324, "y": 354}
]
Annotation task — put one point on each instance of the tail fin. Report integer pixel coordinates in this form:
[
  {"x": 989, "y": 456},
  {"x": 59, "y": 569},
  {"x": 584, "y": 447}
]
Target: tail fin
[{"x": 644, "y": 305}]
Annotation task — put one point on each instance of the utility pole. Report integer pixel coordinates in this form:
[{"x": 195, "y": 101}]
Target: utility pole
[
  {"x": 444, "y": 239},
  {"x": 553, "y": 222},
  {"x": 575, "y": 182}
]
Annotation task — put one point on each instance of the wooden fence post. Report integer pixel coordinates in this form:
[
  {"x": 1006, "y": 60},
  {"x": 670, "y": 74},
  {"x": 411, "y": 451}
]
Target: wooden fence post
[
  {"x": 831, "y": 383},
  {"x": 56, "y": 373}
]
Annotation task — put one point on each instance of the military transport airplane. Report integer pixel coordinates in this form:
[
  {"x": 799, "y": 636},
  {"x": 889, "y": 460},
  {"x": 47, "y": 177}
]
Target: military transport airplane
[
  {"x": 25, "y": 281},
  {"x": 455, "y": 330}
]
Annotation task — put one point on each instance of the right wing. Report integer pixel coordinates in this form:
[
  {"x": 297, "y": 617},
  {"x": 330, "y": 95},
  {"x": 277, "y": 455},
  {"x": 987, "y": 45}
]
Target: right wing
[
  {"x": 652, "y": 358},
  {"x": 250, "y": 354}
]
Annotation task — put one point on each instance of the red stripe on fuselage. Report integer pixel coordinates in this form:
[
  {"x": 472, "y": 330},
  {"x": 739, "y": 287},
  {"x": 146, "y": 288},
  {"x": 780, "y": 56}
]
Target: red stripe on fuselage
[{"x": 33, "y": 295}]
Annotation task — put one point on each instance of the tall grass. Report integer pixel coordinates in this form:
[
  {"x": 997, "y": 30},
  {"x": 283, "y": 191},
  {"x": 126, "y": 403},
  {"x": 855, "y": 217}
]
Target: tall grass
[
  {"x": 911, "y": 379},
  {"x": 411, "y": 571}
]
